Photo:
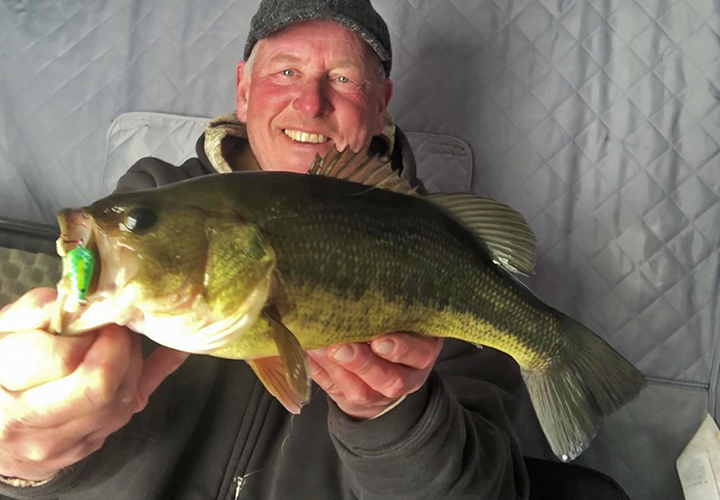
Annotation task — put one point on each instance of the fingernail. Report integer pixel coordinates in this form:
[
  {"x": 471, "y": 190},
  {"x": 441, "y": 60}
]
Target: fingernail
[
  {"x": 344, "y": 354},
  {"x": 385, "y": 347}
]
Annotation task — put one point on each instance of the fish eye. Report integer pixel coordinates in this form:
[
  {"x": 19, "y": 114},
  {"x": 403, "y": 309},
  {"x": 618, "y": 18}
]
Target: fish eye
[{"x": 140, "y": 219}]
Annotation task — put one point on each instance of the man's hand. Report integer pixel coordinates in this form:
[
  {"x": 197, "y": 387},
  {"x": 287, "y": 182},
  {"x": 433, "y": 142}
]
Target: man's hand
[
  {"x": 366, "y": 378},
  {"x": 61, "y": 397}
]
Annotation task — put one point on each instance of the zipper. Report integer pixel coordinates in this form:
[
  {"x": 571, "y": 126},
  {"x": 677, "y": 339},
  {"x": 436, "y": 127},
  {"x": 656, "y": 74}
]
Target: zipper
[
  {"x": 239, "y": 485},
  {"x": 245, "y": 442}
]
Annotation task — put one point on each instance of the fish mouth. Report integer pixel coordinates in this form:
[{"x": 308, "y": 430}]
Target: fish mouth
[
  {"x": 305, "y": 137},
  {"x": 75, "y": 230},
  {"x": 103, "y": 279}
]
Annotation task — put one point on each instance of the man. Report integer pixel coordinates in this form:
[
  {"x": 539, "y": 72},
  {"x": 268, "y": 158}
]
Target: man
[{"x": 400, "y": 420}]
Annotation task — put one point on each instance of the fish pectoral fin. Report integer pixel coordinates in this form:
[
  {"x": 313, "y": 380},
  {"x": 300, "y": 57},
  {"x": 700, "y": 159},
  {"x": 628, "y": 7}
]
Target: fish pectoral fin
[
  {"x": 271, "y": 372},
  {"x": 372, "y": 171},
  {"x": 286, "y": 377},
  {"x": 504, "y": 231}
]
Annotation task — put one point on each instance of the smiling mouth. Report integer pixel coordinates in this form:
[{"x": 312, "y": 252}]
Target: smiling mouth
[{"x": 298, "y": 136}]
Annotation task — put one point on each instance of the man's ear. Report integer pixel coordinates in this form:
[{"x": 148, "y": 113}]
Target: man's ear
[
  {"x": 242, "y": 88},
  {"x": 387, "y": 93},
  {"x": 381, "y": 104}
]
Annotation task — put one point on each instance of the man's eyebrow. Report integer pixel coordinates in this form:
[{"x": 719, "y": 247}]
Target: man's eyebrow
[{"x": 350, "y": 63}]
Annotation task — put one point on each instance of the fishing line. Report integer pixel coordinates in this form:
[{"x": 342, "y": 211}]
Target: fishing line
[{"x": 287, "y": 436}]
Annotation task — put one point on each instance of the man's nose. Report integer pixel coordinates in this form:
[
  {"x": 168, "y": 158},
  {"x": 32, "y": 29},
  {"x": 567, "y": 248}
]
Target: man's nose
[{"x": 313, "y": 98}]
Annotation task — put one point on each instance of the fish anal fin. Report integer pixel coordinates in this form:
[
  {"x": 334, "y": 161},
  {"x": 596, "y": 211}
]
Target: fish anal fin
[
  {"x": 285, "y": 376},
  {"x": 372, "y": 171},
  {"x": 504, "y": 231}
]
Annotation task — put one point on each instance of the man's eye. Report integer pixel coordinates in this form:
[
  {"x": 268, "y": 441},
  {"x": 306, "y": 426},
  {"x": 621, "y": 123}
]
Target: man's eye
[
  {"x": 343, "y": 79},
  {"x": 287, "y": 72}
]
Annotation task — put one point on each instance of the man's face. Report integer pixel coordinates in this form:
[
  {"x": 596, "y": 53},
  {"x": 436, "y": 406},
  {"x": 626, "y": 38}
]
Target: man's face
[{"x": 312, "y": 86}]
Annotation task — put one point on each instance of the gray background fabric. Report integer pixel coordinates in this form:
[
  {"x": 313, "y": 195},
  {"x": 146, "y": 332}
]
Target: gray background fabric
[
  {"x": 21, "y": 270},
  {"x": 598, "y": 120}
]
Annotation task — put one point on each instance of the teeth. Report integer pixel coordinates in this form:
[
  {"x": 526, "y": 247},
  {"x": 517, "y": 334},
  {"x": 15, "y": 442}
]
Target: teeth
[{"x": 296, "y": 135}]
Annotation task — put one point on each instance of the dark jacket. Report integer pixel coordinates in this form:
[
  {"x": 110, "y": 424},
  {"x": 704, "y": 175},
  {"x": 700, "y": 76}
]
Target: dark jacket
[{"x": 212, "y": 431}]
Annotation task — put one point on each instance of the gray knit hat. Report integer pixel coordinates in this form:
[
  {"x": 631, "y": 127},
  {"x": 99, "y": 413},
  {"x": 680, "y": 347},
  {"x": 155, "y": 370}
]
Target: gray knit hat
[{"x": 356, "y": 15}]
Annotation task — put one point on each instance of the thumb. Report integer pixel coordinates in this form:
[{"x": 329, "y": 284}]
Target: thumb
[{"x": 32, "y": 311}]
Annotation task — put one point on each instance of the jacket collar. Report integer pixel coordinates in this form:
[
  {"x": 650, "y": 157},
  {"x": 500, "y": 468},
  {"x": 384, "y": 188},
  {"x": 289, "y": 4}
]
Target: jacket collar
[{"x": 224, "y": 146}]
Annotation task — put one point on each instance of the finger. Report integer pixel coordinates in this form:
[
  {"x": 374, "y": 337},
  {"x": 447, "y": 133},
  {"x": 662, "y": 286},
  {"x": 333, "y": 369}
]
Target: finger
[
  {"x": 32, "y": 358},
  {"x": 332, "y": 375},
  {"x": 92, "y": 386},
  {"x": 127, "y": 394},
  {"x": 161, "y": 363},
  {"x": 392, "y": 380},
  {"x": 32, "y": 311},
  {"x": 321, "y": 377},
  {"x": 407, "y": 349},
  {"x": 345, "y": 382}
]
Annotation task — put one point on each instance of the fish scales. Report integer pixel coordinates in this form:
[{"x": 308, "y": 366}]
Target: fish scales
[{"x": 363, "y": 261}]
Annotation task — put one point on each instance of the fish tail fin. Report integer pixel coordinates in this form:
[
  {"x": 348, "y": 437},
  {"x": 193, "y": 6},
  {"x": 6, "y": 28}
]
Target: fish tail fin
[{"x": 591, "y": 380}]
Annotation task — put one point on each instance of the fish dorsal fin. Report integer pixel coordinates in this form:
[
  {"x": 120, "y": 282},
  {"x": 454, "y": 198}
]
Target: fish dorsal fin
[
  {"x": 373, "y": 171},
  {"x": 285, "y": 377},
  {"x": 503, "y": 230}
]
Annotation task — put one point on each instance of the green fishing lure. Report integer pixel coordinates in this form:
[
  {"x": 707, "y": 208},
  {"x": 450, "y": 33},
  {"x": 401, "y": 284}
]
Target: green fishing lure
[{"x": 81, "y": 263}]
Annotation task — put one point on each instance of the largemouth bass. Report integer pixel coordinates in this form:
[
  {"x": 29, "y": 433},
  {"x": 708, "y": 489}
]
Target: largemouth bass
[{"x": 254, "y": 265}]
